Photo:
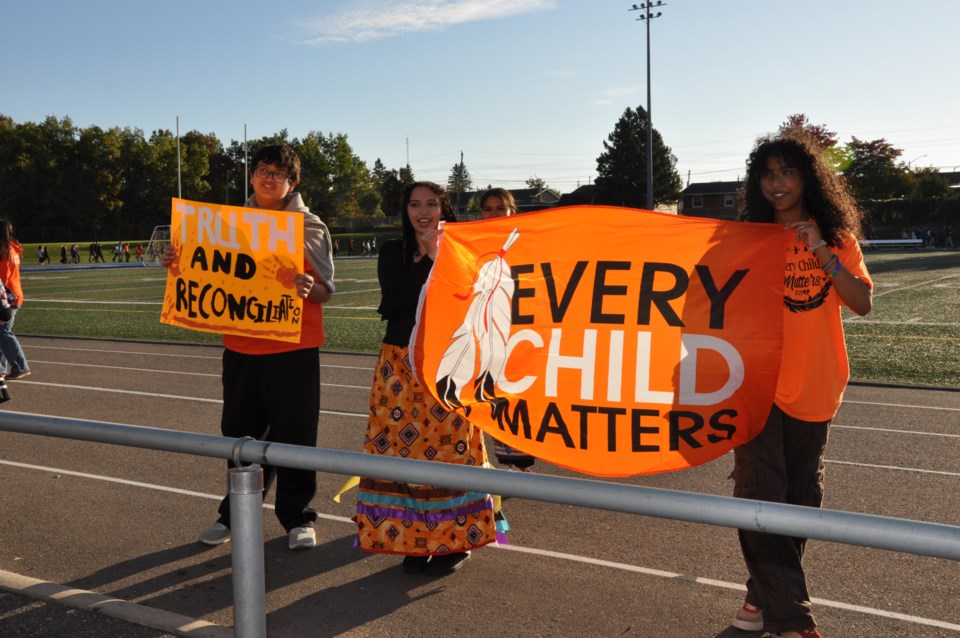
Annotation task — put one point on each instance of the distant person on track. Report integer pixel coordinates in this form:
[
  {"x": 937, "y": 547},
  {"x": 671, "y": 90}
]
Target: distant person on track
[
  {"x": 433, "y": 528},
  {"x": 787, "y": 182},
  {"x": 271, "y": 389},
  {"x": 499, "y": 202},
  {"x": 42, "y": 255},
  {"x": 11, "y": 354}
]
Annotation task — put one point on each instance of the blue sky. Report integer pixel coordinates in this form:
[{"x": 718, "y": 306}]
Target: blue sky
[{"x": 521, "y": 87}]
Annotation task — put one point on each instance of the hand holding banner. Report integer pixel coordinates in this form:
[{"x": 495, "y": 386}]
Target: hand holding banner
[{"x": 610, "y": 341}]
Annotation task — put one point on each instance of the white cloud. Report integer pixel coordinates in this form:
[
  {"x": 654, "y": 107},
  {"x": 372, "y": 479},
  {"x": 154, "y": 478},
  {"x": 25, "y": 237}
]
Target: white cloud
[
  {"x": 365, "y": 21},
  {"x": 600, "y": 102}
]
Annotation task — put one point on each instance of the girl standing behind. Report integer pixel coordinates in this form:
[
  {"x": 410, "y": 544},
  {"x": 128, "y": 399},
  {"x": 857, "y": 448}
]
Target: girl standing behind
[
  {"x": 10, "y": 351},
  {"x": 499, "y": 202},
  {"x": 433, "y": 528},
  {"x": 789, "y": 183}
]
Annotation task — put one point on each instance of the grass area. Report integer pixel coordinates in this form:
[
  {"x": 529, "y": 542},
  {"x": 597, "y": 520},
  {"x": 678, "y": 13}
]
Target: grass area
[{"x": 912, "y": 336}]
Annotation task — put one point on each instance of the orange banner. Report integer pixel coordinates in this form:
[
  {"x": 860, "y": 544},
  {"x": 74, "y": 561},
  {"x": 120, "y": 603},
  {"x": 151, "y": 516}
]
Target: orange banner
[
  {"x": 234, "y": 269},
  {"x": 606, "y": 340}
]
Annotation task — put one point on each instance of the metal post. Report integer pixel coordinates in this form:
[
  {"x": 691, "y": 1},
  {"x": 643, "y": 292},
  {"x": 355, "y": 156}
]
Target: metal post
[
  {"x": 245, "y": 487},
  {"x": 647, "y": 17}
]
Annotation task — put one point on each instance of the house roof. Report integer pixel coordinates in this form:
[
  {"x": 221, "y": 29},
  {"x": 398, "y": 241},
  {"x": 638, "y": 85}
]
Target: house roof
[
  {"x": 525, "y": 197},
  {"x": 711, "y": 188},
  {"x": 952, "y": 177},
  {"x": 583, "y": 195}
]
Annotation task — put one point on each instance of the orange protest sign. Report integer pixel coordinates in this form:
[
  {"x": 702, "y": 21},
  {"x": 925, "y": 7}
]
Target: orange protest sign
[
  {"x": 233, "y": 271},
  {"x": 606, "y": 340}
]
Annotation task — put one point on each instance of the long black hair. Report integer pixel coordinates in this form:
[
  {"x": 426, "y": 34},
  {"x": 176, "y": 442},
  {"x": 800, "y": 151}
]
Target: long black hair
[
  {"x": 826, "y": 195},
  {"x": 409, "y": 234},
  {"x": 6, "y": 236}
]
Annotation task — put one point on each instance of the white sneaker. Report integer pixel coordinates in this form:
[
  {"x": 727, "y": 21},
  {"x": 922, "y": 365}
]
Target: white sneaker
[
  {"x": 302, "y": 538},
  {"x": 216, "y": 534}
]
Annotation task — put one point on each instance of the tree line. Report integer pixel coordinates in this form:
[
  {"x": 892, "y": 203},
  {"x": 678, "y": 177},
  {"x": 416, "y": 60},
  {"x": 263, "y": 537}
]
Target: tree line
[{"x": 96, "y": 181}]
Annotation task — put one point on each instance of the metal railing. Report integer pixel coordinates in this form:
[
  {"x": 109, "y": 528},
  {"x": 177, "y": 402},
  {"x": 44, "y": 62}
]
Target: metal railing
[{"x": 901, "y": 535}]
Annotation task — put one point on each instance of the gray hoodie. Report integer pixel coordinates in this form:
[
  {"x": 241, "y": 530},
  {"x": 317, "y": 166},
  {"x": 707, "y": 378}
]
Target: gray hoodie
[{"x": 317, "y": 247}]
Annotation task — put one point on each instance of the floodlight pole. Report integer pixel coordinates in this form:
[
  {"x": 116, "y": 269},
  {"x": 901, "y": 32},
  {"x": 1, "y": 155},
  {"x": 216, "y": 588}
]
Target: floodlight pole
[
  {"x": 179, "y": 189},
  {"x": 647, "y": 17}
]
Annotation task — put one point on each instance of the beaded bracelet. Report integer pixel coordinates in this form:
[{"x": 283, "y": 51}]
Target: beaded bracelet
[
  {"x": 817, "y": 245},
  {"x": 836, "y": 268},
  {"x": 826, "y": 266}
]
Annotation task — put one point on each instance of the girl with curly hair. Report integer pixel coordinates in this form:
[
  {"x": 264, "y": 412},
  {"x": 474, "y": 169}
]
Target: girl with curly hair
[{"x": 789, "y": 183}]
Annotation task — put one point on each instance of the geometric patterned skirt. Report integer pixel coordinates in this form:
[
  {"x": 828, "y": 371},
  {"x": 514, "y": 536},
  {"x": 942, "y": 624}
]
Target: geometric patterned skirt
[{"x": 406, "y": 422}]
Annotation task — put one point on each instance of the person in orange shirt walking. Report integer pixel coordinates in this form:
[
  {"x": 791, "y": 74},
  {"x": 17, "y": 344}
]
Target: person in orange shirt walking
[
  {"x": 788, "y": 183},
  {"x": 11, "y": 253}
]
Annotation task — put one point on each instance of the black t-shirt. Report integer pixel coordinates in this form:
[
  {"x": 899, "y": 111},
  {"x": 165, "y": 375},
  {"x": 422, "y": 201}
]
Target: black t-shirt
[{"x": 399, "y": 291}]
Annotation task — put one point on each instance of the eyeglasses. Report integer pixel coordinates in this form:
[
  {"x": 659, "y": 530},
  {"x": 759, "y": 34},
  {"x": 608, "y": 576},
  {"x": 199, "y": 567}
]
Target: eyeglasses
[{"x": 277, "y": 176}]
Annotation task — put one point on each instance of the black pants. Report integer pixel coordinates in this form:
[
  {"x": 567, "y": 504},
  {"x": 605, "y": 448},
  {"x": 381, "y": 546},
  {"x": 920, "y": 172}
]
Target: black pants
[
  {"x": 783, "y": 464},
  {"x": 275, "y": 397}
]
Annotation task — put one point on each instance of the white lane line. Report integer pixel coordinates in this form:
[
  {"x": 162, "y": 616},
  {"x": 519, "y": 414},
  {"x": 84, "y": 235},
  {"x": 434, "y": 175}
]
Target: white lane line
[
  {"x": 180, "y": 372},
  {"x": 574, "y": 558},
  {"x": 893, "y": 467},
  {"x": 892, "y": 431},
  {"x": 903, "y": 405},
  {"x": 922, "y": 283},
  {"x": 883, "y": 613},
  {"x": 157, "y": 395},
  {"x": 218, "y": 357}
]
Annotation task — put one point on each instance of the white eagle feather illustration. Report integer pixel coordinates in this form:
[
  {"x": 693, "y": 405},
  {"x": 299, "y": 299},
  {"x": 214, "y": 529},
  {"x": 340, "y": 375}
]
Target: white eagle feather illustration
[{"x": 482, "y": 337}]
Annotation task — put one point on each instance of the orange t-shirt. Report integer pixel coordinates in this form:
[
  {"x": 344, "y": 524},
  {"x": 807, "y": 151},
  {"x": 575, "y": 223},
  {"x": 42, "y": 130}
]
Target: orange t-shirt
[
  {"x": 814, "y": 371},
  {"x": 10, "y": 271},
  {"x": 311, "y": 333}
]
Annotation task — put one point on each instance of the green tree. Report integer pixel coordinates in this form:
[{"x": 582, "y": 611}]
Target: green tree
[
  {"x": 387, "y": 182},
  {"x": 928, "y": 183},
  {"x": 197, "y": 153},
  {"x": 459, "y": 180},
  {"x": 537, "y": 183},
  {"x": 835, "y": 155},
  {"x": 873, "y": 172},
  {"x": 94, "y": 180},
  {"x": 819, "y": 132},
  {"x": 622, "y": 167}
]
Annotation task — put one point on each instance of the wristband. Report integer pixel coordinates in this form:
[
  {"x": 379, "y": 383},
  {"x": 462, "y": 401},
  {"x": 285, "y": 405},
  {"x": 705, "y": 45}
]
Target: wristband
[
  {"x": 836, "y": 269},
  {"x": 817, "y": 245}
]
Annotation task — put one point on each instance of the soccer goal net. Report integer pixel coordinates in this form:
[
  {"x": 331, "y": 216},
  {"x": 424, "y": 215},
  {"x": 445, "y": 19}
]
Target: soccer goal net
[{"x": 158, "y": 241}]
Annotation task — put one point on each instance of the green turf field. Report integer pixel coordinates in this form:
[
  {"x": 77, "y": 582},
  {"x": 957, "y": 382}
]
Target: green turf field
[{"x": 912, "y": 336}]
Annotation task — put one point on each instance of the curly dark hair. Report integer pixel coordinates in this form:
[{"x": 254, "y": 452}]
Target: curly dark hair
[
  {"x": 826, "y": 195},
  {"x": 409, "y": 234}
]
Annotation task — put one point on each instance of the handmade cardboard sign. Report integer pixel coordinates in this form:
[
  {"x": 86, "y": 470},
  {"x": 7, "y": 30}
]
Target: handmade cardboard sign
[
  {"x": 233, "y": 271},
  {"x": 606, "y": 340}
]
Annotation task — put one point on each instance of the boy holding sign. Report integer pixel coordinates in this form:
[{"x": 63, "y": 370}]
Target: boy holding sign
[{"x": 271, "y": 388}]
